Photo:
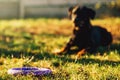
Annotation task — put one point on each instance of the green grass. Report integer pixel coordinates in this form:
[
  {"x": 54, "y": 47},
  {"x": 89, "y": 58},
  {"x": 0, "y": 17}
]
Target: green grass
[{"x": 30, "y": 42}]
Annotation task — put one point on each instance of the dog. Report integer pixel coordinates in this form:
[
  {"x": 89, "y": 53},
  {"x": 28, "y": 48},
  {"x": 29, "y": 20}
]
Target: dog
[{"x": 85, "y": 37}]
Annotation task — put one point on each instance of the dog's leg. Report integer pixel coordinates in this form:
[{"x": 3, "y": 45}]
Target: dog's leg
[
  {"x": 61, "y": 51},
  {"x": 66, "y": 48},
  {"x": 80, "y": 53}
]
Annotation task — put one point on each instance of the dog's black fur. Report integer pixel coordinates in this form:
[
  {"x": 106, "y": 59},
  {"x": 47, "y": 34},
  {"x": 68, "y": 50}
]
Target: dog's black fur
[{"x": 85, "y": 36}]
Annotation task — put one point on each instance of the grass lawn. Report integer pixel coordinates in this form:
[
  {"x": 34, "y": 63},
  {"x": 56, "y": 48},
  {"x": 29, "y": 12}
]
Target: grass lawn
[{"x": 30, "y": 42}]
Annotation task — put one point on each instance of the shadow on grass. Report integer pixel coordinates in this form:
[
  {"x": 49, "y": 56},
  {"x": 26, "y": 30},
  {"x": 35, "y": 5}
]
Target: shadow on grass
[
  {"x": 86, "y": 61},
  {"x": 115, "y": 47},
  {"x": 19, "y": 54},
  {"x": 64, "y": 58}
]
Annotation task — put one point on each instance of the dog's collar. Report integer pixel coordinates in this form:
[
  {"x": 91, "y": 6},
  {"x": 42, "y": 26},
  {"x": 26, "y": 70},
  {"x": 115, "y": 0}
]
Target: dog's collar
[{"x": 77, "y": 28}]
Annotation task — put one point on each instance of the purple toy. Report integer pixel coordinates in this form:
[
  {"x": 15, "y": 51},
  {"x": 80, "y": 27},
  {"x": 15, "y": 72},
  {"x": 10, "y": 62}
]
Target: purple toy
[{"x": 29, "y": 70}]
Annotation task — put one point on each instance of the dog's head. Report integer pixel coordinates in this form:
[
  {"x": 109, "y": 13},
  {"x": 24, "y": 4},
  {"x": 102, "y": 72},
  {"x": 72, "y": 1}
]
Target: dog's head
[{"x": 81, "y": 15}]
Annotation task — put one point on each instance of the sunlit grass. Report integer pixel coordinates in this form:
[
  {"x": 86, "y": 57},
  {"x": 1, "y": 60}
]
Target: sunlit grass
[{"x": 30, "y": 42}]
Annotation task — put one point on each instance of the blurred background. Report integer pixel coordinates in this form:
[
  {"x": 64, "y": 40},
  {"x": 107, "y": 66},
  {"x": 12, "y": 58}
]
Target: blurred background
[
  {"x": 31, "y": 30},
  {"x": 54, "y": 8}
]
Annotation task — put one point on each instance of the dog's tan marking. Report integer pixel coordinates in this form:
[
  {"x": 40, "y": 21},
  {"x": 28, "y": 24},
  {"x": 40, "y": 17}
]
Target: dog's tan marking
[
  {"x": 59, "y": 52},
  {"x": 76, "y": 28},
  {"x": 80, "y": 53}
]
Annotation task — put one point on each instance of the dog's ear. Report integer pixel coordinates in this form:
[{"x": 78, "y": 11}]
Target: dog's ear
[
  {"x": 70, "y": 9},
  {"x": 90, "y": 12}
]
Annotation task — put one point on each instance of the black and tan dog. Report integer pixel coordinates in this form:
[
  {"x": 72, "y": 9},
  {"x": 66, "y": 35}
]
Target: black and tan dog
[{"x": 85, "y": 36}]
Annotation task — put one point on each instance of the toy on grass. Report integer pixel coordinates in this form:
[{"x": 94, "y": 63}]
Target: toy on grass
[{"x": 29, "y": 71}]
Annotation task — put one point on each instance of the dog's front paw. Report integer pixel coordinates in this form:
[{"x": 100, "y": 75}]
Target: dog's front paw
[
  {"x": 58, "y": 51},
  {"x": 80, "y": 53},
  {"x": 78, "y": 56}
]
